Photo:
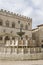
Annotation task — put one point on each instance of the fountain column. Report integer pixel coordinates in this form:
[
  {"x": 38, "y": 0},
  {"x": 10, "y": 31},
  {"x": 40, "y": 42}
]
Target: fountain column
[{"x": 21, "y": 34}]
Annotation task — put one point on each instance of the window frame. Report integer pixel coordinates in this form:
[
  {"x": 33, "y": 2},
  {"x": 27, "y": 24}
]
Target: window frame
[
  {"x": 7, "y": 23},
  {"x": 26, "y": 27},
  {"x": 1, "y": 21},
  {"x": 13, "y": 24}
]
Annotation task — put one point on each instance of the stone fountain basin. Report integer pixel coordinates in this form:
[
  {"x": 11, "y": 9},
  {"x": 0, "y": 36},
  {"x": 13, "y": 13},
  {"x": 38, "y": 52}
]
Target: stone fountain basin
[{"x": 20, "y": 33}]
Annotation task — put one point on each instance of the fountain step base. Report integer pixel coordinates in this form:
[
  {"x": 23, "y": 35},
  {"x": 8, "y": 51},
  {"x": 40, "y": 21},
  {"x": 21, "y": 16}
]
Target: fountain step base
[{"x": 15, "y": 57}]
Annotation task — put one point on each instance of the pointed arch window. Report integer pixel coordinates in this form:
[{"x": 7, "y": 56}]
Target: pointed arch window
[
  {"x": 18, "y": 22},
  {"x": 7, "y": 23},
  {"x": 21, "y": 25},
  {"x": 1, "y": 22},
  {"x": 13, "y": 25},
  {"x": 26, "y": 27}
]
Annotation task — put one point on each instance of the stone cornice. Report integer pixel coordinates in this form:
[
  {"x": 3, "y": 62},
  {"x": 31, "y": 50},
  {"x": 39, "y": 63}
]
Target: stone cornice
[{"x": 11, "y": 14}]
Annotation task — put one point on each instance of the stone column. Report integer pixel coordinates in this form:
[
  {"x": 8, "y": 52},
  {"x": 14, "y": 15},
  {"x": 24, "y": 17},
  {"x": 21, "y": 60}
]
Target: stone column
[
  {"x": 16, "y": 41},
  {"x": 22, "y": 44},
  {"x": 5, "y": 50},
  {"x": 28, "y": 50},
  {"x": 4, "y": 40},
  {"x": 15, "y": 50},
  {"x": 10, "y": 40},
  {"x": 4, "y": 43},
  {"x": 22, "y": 51},
  {"x": 9, "y": 47}
]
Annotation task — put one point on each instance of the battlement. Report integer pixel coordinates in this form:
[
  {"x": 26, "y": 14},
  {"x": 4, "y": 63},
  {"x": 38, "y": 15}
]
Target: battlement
[{"x": 14, "y": 14}]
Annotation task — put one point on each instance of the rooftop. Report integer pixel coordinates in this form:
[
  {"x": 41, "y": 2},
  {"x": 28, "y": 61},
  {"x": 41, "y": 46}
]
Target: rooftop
[{"x": 40, "y": 25}]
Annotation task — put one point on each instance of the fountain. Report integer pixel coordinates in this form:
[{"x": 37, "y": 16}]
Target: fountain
[{"x": 21, "y": 33}]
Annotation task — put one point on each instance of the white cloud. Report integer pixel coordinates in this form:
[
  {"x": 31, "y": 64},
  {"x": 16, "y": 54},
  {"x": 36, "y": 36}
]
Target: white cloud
[
  {"x": 28, "y": 11},
  {"x": 36, "y": 2},
  {"x": 30, "y": 8}
]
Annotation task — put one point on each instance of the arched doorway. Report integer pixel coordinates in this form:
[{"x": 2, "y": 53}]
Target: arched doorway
[
  {"x": 7, "y": 39},
  {"x": 13, "y": 40},
  {"x": 42, "y": 45}
]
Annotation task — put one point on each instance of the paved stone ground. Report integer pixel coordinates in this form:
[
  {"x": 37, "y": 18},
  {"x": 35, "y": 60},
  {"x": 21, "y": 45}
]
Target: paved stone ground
[{"x": 35, "y": 62}]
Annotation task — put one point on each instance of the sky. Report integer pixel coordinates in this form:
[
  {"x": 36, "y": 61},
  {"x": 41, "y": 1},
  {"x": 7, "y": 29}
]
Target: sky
[{"x": 29, "y": 8}]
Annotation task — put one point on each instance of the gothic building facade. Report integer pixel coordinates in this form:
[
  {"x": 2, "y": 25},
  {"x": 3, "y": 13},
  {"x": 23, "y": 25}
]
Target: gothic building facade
[
  {"x": 13, "y": 46},
  {"x": 10, "y": 42}
]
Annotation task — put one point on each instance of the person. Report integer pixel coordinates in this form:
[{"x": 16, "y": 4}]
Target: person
[
  {"x": 7, "y": 42},
  {"x": 13, "y": 41},
  {"x": 16, "y": 42}
]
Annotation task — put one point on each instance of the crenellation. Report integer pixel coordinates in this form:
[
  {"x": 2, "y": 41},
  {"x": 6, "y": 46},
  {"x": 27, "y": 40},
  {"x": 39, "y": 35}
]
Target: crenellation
[
  {"x": 30, "y": 19},
  {"x": 14, "y": 14},
  {"x": 27, "y": 17},
  {"x": 9, "y": 12},
  {"x": 1, "y": 10},
  {"x": 5, "y": 10}
]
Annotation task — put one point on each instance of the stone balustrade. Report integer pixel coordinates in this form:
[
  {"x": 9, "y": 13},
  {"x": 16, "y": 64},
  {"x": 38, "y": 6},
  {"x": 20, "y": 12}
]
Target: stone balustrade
[
  {"x": 12, "y": 53},
  {"x": 20, "y": 49}
]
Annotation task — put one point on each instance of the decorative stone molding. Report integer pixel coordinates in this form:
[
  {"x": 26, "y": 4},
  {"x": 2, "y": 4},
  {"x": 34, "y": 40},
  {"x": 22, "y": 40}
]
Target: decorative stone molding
[{"x": 15, "y": 15}]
